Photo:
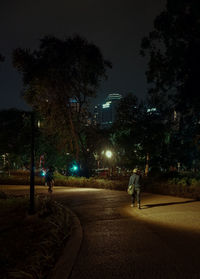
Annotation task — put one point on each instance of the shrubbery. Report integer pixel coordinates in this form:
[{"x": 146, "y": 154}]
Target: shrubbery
[
  {"x": 172, "y": 183},
  {"x": 23, "y": 178},
  {"x": 30, "y": 245},
  {"x": 92, "y": 183},
  {"x": 182, "y": 186}
]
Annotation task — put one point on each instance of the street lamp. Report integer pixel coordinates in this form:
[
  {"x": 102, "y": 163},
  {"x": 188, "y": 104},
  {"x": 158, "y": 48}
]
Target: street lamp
[
  {"x": 108, "y": 154},
  {"x": 32, "y": 173}
]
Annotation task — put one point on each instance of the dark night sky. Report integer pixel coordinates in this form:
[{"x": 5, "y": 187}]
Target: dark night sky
[{"x": 115, "y": 26}]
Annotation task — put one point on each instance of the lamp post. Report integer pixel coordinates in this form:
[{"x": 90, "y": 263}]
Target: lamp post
[
  {"x": 109, "y": 155},
  {"x": 32, "y": 173}
]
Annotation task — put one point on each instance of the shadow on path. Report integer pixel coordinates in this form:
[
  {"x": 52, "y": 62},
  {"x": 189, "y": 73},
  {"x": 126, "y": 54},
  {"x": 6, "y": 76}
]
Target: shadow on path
[{"x": 167, "y": 203}]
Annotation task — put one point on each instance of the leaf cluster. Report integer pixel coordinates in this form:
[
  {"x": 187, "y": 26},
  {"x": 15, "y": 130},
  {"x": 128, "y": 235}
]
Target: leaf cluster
[
  {"x": 58, "y": 79},
  {"x": 173, "y": 49}
]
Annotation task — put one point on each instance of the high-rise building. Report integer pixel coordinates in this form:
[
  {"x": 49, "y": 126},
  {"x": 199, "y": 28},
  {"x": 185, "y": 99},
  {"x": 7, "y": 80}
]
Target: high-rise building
[
  {"x": 97, "y": 115},
  {"x": 105, "y": 114},
  {"x": 109, "y": 109},
  {"x": 113, "y": 97}
]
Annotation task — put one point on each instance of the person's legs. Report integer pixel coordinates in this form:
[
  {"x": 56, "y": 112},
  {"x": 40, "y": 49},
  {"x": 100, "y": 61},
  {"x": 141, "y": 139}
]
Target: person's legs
[
  {"x": 49, "y": 183},
  {"x": 133, "y": 199},
  {"x": 138, "y": 197}
]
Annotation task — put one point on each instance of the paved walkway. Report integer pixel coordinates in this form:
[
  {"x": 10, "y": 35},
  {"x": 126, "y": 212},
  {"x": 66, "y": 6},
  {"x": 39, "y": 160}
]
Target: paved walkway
[{"x": 162, "y": 240}]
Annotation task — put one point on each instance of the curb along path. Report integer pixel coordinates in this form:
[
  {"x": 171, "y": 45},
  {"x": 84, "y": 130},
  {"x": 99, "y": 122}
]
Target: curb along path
[{"x": 65, "y": 263}]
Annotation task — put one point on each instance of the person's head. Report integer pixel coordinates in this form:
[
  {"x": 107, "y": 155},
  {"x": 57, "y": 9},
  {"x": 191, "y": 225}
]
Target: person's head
[
  {"x": 51, "y": 168},
  {"x": 135, "y": 170}
]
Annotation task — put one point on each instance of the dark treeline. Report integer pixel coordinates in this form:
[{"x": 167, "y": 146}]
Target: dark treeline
[{"x": 62, "y": 75}]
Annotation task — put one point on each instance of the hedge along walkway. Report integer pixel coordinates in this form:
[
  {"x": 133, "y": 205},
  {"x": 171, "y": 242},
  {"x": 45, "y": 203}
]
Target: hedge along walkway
[
  {"x": 153, "y": 185},
  {"x": 117, "y": 184},
  {"x": 166, "y": 188}
]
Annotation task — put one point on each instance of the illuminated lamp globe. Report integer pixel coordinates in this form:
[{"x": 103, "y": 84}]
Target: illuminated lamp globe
[
  {"x": 108, "y": 154},
  {"x": 75, "y": 168}
]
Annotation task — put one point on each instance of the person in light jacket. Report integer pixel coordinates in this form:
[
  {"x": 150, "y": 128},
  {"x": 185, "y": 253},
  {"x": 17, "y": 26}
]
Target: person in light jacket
[{"x": 135, "y": 180}]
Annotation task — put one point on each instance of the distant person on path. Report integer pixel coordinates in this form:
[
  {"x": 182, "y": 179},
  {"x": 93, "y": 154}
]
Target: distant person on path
[
  {"x": 135, "y": 180},
  {"x": 49, "y": 179}
]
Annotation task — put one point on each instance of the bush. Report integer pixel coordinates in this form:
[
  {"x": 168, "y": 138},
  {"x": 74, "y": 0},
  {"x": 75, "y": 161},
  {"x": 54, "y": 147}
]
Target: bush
[
  {"x": 182, "y": 187},
  {"x": 195, "y": 182},
  {"x": 155, "y": 172},
  {"x": 91, "y": 182},
  {"x": 183, "y": 181},
  {"x": 34, "y": 246}
]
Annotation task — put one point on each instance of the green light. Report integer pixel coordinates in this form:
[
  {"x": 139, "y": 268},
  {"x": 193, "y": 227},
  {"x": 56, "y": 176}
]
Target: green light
[{"x": 75, "y": 168}]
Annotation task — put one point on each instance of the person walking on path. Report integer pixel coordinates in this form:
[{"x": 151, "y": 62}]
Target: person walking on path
[
  {"x": 49, "y": 179},
  {"x": 135, "y": 180}
]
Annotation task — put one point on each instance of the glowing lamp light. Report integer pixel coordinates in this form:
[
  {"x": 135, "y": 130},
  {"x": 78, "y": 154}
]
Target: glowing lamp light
[
  {"x": 43, "y": 173},
  {"x": 75, "y": 168},
  {"x": 108, "y": 154},
  {"x": 39, "y": 124}
]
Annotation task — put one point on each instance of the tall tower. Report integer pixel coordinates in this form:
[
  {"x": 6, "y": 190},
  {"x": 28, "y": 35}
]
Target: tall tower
[{"x": 109, "y": 109}]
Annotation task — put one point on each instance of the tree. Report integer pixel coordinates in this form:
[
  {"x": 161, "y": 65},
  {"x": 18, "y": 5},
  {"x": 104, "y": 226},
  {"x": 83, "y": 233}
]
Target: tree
[
  {"x": 140, "y": 133},
  {"x": 124, "y": 136},
  {"x": 58, "y": 79},
  {"x": 14, "y": 137},
  {"x": 173, "y": 47},
  {"x": 46, "y": 147},
  {"x": 15, "y": 143},
  {"x": 173, "y": 73}
]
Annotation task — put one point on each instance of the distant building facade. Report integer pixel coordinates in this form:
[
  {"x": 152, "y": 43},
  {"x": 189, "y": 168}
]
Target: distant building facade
[
  {"x": 104, "y": 115},
  {"x": 97, "y": 115}
]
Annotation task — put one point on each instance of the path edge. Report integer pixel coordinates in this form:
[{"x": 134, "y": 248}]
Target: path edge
[{"x": 66, "y": 261}]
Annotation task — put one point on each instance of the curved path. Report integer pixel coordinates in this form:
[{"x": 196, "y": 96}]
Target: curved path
[{"x": 162, "y": 240}]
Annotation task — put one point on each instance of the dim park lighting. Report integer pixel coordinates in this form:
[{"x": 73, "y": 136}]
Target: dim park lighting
[
  {"x": 108, "y": 154},
  {"x": 75, "y": 168},
  {"x": 43, "y": 173}
]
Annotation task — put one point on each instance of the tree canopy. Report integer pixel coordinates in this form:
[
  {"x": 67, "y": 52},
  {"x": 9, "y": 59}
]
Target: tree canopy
[
  {"x": 58, "y": 78},
  {"x": 15, "y": 137},
  {"x": 173, "y": 48},
  {"x": 173, "y": 75}
]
